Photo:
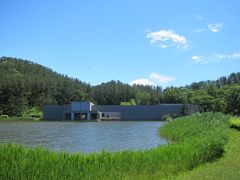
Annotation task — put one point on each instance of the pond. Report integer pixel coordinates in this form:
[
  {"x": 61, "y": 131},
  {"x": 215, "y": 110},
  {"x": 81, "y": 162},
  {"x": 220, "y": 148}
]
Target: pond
[{"x": 84, "y": 136}]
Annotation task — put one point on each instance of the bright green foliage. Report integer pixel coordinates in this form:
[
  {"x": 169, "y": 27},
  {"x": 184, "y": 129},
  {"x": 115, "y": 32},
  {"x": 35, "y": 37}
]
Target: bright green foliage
[
  {"x": 129, "y": 103},
  {"x": 167, "y": 117},
  {"x": 34, "y": 113},
  {"x": 235, "y": 122},
  {"x": 3, "y": 116},
  {"x": 198, "y": 139},
  {"x": 199, "y": 124}
]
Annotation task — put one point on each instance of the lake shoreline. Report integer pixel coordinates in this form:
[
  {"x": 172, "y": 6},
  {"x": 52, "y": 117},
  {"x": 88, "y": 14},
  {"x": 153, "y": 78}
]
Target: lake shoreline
[{"x": 189, "y": 150}]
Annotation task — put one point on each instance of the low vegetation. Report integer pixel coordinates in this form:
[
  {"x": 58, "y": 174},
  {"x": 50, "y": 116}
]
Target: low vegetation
[
  {"x": 197, "y": 139},
  {"x": 19, "y": 119},
  {"x": 167, "y": 117},
  {"x": 32, "y": 114},
  {"x": 132, "y": 102},
  {"x": 235, "y": 122},
  {"x": 228, "y": 167}
]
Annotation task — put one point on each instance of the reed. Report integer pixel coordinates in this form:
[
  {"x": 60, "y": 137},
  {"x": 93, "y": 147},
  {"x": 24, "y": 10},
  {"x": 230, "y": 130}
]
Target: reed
[{"x": 196, "y": 140}]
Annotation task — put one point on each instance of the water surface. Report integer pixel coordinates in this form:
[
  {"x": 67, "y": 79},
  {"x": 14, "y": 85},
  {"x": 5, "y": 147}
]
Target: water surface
[{"x": 83, "y": 136}]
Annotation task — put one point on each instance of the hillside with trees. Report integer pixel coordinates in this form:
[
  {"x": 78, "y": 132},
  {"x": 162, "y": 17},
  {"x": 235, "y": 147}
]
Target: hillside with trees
[{"x": 25, "y": 85}]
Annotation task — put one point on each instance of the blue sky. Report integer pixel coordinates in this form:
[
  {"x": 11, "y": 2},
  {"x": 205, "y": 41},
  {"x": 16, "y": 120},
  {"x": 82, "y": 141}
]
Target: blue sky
[{"x": 154, "y": 42}]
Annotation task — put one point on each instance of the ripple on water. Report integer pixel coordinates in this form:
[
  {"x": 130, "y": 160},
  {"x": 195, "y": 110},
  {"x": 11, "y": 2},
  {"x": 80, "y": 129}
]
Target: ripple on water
[{"x": 84, "y": 137}]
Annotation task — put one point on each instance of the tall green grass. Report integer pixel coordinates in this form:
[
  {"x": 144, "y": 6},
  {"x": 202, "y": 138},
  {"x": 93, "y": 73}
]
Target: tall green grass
[
  {"x": 196, "y": 139},
  {"x": 227, "y": 167}
]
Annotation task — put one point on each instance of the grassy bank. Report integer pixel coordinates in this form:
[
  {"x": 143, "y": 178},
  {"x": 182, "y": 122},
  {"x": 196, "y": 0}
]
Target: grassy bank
[
  {"x": 197, "y": 139},
  {"x": 20, "y": 119},
  {"x": 228, "y": 167}
]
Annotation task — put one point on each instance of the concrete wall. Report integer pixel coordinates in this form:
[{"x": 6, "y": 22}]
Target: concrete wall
[
  {"x": 144, "y": 112},
  {"x": 55, "y": 112},
  {"x": 81, "y": 106}
]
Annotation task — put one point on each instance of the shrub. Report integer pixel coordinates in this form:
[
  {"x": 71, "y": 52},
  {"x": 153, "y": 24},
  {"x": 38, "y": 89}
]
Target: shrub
[
  {"x": 235, "y": 122},
  {"x": 34, "y": 113},
  {"x": 3, "y": 116},
  {"x": 167, "y": 117}
]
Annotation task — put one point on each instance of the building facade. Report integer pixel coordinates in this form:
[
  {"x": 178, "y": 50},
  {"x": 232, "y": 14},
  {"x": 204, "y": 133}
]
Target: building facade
[{"x": 89, "y": 111}]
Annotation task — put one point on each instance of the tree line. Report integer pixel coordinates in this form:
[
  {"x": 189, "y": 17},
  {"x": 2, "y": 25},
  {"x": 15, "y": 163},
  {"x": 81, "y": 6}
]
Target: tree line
[{"x": 25, "y": 85}]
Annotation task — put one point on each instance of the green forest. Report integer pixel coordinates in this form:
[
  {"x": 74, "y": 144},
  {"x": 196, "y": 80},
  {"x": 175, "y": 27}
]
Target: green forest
[{"x": 25, "y": 86}]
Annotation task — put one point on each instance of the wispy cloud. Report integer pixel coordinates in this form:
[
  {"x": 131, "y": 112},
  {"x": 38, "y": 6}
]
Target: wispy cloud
[
  {"x": 198, "y": 59},
  {"x": 200, "y": 29},
  {"x": 215, "y": 27},
  {"x": 215, "y": 58},
  {"x": 211, "y": 27},
  {"x": 159, "y": 79},
  {"x": 167, "y": 38},
  {"x": 198, "y": 17},
  {"x": 154, "y": 79},
  {"x": 221, "y": 56}
]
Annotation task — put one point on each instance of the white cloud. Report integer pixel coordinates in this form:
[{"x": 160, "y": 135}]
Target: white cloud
[
  {"x": 221, "y": 56},
  {"x": 235, "y": 55},
  {"x": 163, "y": 46},
  {"x": 167, "y": 38},
  {"x": 154, "y": 79},
  {"x": 198, "y": 59},
  {"x": 145, "y": 82},
  {"x": 159, "y": 79},
  {"x": 216, "y": 27}
]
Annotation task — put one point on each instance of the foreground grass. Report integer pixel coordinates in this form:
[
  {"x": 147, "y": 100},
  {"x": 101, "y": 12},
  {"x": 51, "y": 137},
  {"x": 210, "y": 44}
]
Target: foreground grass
[
  {"x": 228, "y": 167},
  {"x": 197, "y": 139}
]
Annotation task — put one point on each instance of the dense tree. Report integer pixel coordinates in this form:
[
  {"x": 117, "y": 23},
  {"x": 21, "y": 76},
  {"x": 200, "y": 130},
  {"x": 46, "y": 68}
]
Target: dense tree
[
  {"x": 25, "y": 85},
  {"x": 233, "y": 100}
]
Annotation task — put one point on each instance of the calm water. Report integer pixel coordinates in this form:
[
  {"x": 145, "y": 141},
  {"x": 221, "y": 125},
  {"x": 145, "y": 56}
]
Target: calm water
[{"x": 83, "y": 136}]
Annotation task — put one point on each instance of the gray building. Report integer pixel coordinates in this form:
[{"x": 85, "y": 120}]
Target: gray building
[{"x": 89, "y": 111}]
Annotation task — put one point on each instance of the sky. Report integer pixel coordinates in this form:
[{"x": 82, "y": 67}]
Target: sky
[{"x": 150, "y": 42}]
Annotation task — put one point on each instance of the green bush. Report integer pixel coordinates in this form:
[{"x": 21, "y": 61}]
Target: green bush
[
  {"x": 132, "y": 102},
  {"x": 166, "y": 117},
  {"x": 34, "y": 113},
  {"x": 235, "y": 122},
  {"x": 4, "y": 116}
]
